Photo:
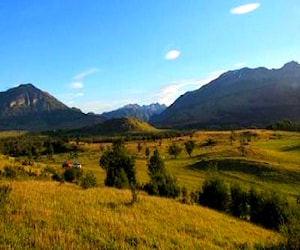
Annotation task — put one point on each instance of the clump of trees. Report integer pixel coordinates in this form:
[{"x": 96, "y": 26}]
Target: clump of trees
[
  {"x": 119, "y": 166},
  {"x": 161, "y": 182},
  {"x": 34, "y": 146},
  {"x": 267, "y": 209}
]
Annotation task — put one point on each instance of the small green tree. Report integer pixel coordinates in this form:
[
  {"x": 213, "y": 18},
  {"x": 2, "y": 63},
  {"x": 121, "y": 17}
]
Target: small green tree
[
  {"x": 119, "y": 166},
  {"x": 189, "y": 147},
  {"x": 239, "y": 201},
  {"x": 174, "y": 150},
  {"x": 161, "y": 182},
  {"x": 215, "y": 194}
]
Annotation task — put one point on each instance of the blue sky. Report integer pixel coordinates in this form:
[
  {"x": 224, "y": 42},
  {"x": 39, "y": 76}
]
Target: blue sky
[{"x": 99, "y": 55}]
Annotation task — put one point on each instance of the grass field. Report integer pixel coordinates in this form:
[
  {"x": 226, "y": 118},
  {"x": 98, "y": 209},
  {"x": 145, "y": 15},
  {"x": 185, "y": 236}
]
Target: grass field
[
  {"x": 48, "y": 215},
  {"x": 42, "y": 213}
]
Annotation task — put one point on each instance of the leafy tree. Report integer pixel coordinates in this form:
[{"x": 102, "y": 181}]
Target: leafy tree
[
  {"x": 214, "y": 194},
  {"x": 119, "y": 166},
  {"x": 189, "y": 147},
  {"x": 161, "y": 182},
  {"x": 269, "y": 210},
  {"x": 174, "y": 150},
  {"x": 239, "y": 201}
]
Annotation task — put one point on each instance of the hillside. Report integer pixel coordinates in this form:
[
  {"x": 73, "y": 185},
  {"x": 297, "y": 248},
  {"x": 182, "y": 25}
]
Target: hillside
[
  {"x": 239, "y": 98},
  {"x": 116, "y": 126},
  {"x": 46, "y": 214},
  {"x": 28, "y": 108},
  {"x": 143, "y": 113}
]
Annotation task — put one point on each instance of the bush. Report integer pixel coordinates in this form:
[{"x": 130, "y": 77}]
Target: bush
[
  {"x": 291, "y": 230},
  {"x": 9, "y": 172},
  {"x": 174, "y": 150},
  {"x": 72, "y": 174},
  {"x": 161, "y": 182},
  {"x": 88, "y": 180},
  {"x": 239, "y": 202},
  {"x": 214, "y": 194},
  {"x": 4, "y": 195},
  {"x": 163, "y": 185},
  {"x": 58, "y": 177},
  {"x": 269, "y": 210}
]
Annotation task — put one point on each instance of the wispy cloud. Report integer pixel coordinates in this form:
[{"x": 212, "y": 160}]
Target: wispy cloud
[
  {"x": 172, "y": 54},
  {"x": 76, "y": 85},
  {"x": 168, "y": 93},
  {"x": 85, "y": 73},
  {"x": 240, "y": 64},
  {"x": 244, "y": 9}
]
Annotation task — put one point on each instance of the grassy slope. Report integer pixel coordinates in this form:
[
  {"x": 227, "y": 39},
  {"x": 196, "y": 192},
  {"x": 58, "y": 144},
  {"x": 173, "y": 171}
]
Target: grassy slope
[
  {"x": 277, "y": 151},
  {"x": 46, "y": 214}
]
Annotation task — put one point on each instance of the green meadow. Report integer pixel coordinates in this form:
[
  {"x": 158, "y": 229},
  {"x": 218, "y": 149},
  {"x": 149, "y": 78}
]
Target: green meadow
[{"x": 43, "y": 214}]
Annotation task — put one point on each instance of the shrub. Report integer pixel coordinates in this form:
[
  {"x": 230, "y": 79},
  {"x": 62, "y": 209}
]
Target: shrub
[
  {"x": 214, "y": 194},
  {"x": 239, "y": 202},
  {"x": 58, "y": 177},
  {"x": 189, "y": 147},
  {"x": 9, "y": 172},
  {"x": 291, "y": 230},
  {"x": 4, "y": 195},
  {"x": 174, "y": 150},
  {"x": 161, "y": 182},
  {"x": 269, "y": 210},
  {"x": 72, "y": 174},
  {"x": 88, "y": 180}
]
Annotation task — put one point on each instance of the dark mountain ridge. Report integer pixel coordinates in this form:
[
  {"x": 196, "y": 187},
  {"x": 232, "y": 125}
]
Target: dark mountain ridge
[
  {"x": 239, "y": 98},
  {"x": 143, "y": 113},
  {"x": 28, "y": 108}
]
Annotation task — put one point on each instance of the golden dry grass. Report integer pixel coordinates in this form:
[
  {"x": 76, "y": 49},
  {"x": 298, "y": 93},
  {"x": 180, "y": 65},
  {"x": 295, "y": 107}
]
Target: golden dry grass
[{"x": 48, "y": 215}]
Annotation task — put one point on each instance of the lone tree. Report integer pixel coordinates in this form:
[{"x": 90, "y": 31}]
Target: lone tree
[
  {"x": 174, "y": 150},
  {"x": 189, "y": 147},
  {"x": 161, "y": 182},
  {"x": 119, "y": 166}
]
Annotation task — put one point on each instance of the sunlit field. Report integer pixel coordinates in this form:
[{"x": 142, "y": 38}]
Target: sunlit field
[{"x": 42, "y": 213}]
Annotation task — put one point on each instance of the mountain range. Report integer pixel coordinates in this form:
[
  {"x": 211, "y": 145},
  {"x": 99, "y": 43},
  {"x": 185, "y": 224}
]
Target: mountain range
[
  {"x": 143, "y": 113},
  {"x": 240, "y": 98}
]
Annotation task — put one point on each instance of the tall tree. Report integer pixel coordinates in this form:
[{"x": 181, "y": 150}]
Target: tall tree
[
  {"x": 119, "y": 166},
  {"x": 161, "y": 182}
]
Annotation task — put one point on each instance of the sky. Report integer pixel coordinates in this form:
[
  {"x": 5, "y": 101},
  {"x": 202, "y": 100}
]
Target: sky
[{"x": 100, "y": 55}]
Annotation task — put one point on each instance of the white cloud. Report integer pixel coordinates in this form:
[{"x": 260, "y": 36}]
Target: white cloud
[
  {"x": 244, "y": 9},
  {"x": 169, "y": 93},
  {"x": 76, "y": 85},
  {"x": 86, "y": 73},
  {"x": 172, "y": 54},
  {"x": 240, "y": 65}
]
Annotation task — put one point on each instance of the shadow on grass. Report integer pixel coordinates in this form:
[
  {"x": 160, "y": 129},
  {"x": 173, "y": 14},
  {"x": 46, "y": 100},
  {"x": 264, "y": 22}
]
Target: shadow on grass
[{"x": 263, "y": 171}]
